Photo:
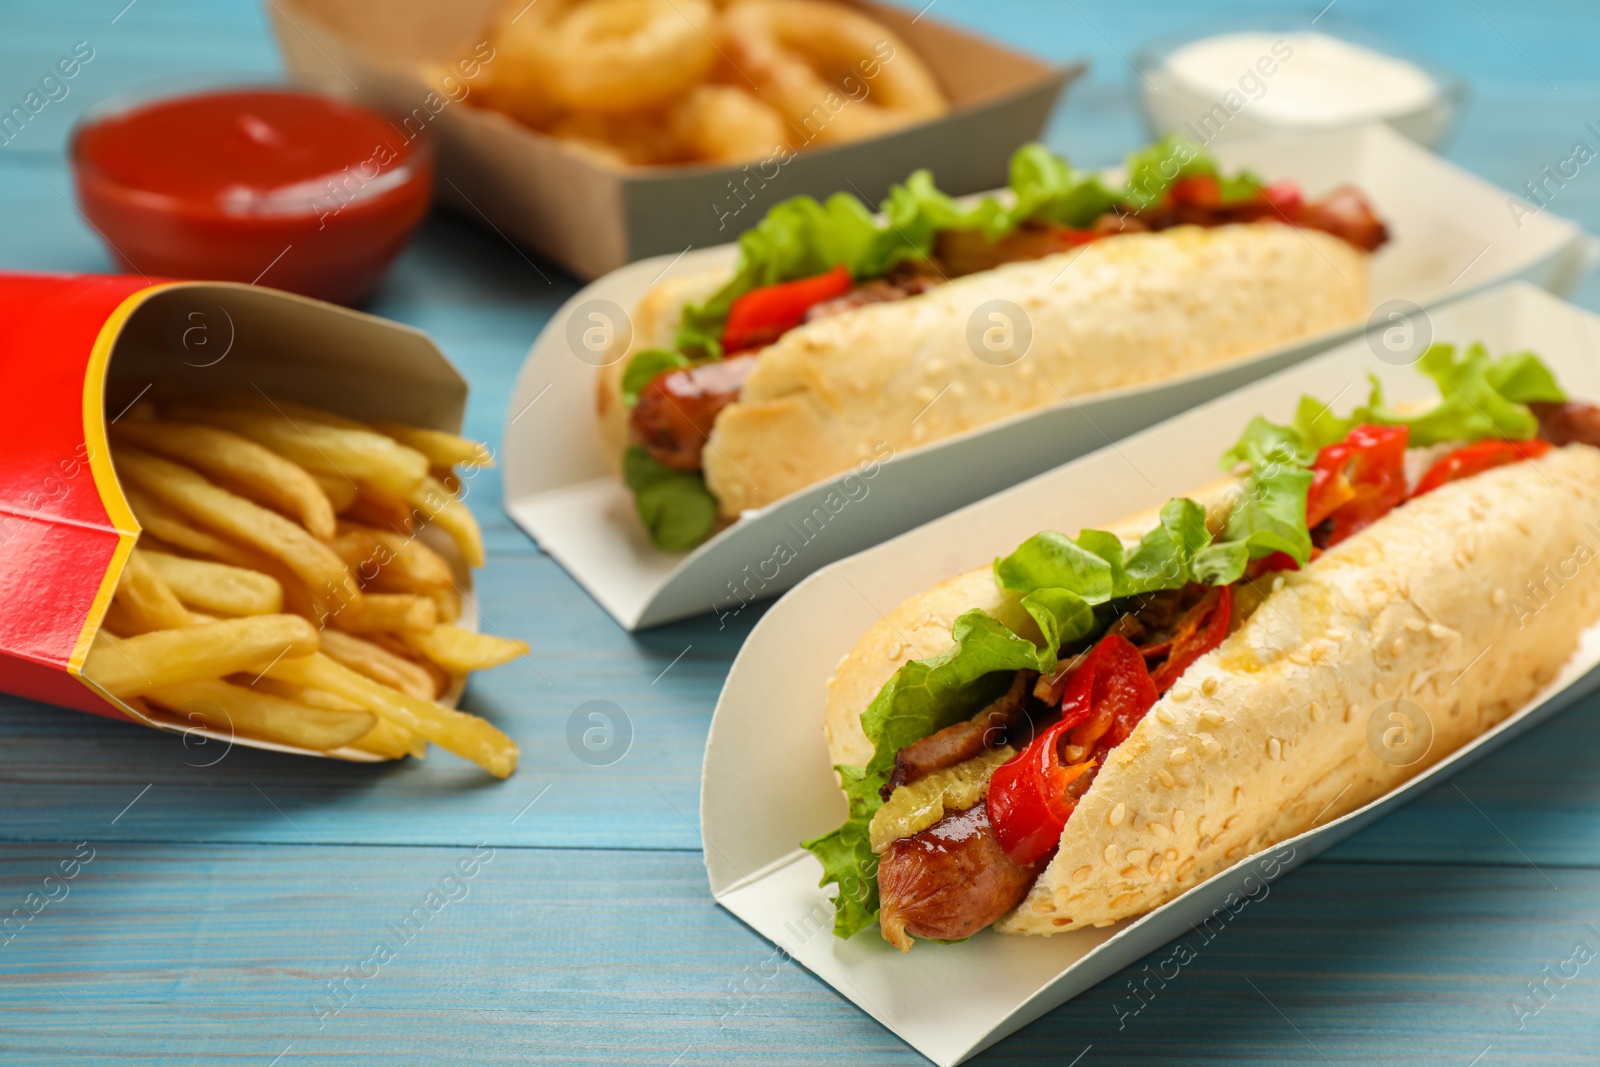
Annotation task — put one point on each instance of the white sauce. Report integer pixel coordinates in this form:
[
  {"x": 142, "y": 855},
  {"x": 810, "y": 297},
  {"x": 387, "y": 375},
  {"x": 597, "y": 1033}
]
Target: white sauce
[{"x": 1324, "y": 82}]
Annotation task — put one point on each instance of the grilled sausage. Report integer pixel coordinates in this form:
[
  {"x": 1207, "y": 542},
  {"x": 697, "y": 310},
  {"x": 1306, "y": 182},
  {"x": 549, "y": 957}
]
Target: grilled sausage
[
  {"x": 677, "y": 409},
  {"x": 898, "y": 286},
  {"x": 991, "y": 727},
  {"x": 970, "y": 251},
  {"x": 1565, "y": 423},
  {"x": 1346, "y": 214},
  {"x": 949, "y": 881}
]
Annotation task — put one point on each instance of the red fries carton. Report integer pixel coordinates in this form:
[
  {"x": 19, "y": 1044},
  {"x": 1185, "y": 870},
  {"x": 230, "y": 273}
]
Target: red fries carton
[{"x": 76, "y": 352}]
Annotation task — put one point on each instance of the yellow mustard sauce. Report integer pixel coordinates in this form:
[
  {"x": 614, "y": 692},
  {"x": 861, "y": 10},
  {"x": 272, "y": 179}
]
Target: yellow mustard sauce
[{"x": 916, "y": 806}]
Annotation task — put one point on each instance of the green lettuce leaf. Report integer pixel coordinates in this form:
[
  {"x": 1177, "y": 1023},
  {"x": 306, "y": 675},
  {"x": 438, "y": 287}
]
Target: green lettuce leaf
[
  {"x": 1263, "y": 437},
  {"x": 1154, "y": 170},
  {"x": 1044, "y": 187},
  {"x": 914, "y": 212},
  {"x": 928, "y": 695},
  {"x": 1164, "y": 557},
  {"x": 675, "y": 506},
  {"x": 922, "y": 697},
  {"x": 1094, "y": 567},
  {"x": 797, "y": 238},
  {"x": 1269, "y": 515},
  {"x": 1479, "y": 397},
  {"x": 1061, "y": 616},
  {"x": 1473, "y": 406},
  {"x": 1522, "y": 378},
  {"x": 847, "y": 857},
  {"x": 644, "y": 366},
  {"x": 1051, "y": 560}
]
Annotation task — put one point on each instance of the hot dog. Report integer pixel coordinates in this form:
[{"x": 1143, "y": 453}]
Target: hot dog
[
  {"x": 1197, "y": 685},
  {"x": 845, "y": 328}
]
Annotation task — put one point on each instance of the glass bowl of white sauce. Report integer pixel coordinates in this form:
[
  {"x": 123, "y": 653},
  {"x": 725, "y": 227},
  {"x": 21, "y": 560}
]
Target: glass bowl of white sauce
[{"x": 1254, "y": 82}]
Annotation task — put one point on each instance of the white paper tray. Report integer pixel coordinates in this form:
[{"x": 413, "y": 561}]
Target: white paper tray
[
  {"x": 767, "y": 783},
  {"x": 1451, "y": 235}
]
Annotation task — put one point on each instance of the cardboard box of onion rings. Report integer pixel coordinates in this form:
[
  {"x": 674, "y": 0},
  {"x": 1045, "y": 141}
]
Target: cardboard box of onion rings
[
  {"x": 205, "y": 528},
  {"x": 950, "y": 1001},
  {"x": 566, "y": 193}
]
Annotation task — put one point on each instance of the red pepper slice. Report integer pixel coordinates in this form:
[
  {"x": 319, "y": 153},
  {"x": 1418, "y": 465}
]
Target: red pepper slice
[
  {"x": 1477, "y": 458},
  {"x": 1104, "y": 700},
  {"x": 1028, "y": 802},
  {"x": 1285, "y": 199},
  {"x": 1355, "y": 482},
  {"x": 1201, "y": 191},
  {"x": 1277, "y": 561},
  {"x": 763, "y": 315},
  {"x": 1201, "y": 629}
]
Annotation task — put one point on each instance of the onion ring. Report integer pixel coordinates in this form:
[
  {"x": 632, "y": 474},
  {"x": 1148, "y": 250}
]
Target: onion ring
[
  {"x": 725, "y": 124},
  {"x": 620, "y": 55},
  {"x": 518, "y": 82},
  {"x": 834, "y": 73}
]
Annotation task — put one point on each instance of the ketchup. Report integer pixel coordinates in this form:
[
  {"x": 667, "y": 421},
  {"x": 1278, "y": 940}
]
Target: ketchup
[{"x": 296, "y": 191}]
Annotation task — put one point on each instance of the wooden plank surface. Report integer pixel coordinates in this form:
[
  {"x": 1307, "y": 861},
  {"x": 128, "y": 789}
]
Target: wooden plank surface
[
  {"x": 215, "y": 952},
  {"x": 224, "y": 894}
]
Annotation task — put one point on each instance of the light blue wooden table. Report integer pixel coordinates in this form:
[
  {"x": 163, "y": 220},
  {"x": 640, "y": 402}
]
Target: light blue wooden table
[{"x": 215, "y": 906}]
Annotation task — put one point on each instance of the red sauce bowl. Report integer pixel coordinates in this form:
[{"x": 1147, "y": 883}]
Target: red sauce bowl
[{"x": 267, "y": 185}]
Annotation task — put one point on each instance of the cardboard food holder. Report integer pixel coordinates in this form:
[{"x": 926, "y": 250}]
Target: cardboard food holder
[
  {"x": 75, "y": 352},
  {"x": 592, "y": 218},
  {"x": 767, "y": 783},
  {"x": 1451, "y": 234}
]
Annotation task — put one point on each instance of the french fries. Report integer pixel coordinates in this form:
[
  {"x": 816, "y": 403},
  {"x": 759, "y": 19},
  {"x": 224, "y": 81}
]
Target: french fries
[
  {"x": 442, "y": 679},
  {"x": 279, "y": 590},
  {"x": 215, "y": 587},
  {"x": 448, "y": 603},
  {"x": 255, "y": 472},
  {"x": 360, "y": 455},
  {"x": 235, "y": 709},
  {"x": 378, "y": 613},
  {"x": 466, "y": 735},
  {"x": 438, "y": 504},
  {"x": 442, "y": 449},
  {"x": 378, "y": 663},
  {"x": 391, "y": 562},
  {"x": 341, "y": 492},
  {"x": 390, "y": 742},
  {"x": 143, "y": 601},
  {"x": 133, "y": 666},
  {"x": 190, "y": 494},
  {"x": 161, "y": 522},
  {"x": 461, "y": 651}
]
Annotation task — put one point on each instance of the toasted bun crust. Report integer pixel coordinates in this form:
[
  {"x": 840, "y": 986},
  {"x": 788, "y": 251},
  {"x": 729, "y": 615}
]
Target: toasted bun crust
[
  {"x": 1268, "y": 735},
  {"x": 1122, "y": 311}
]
